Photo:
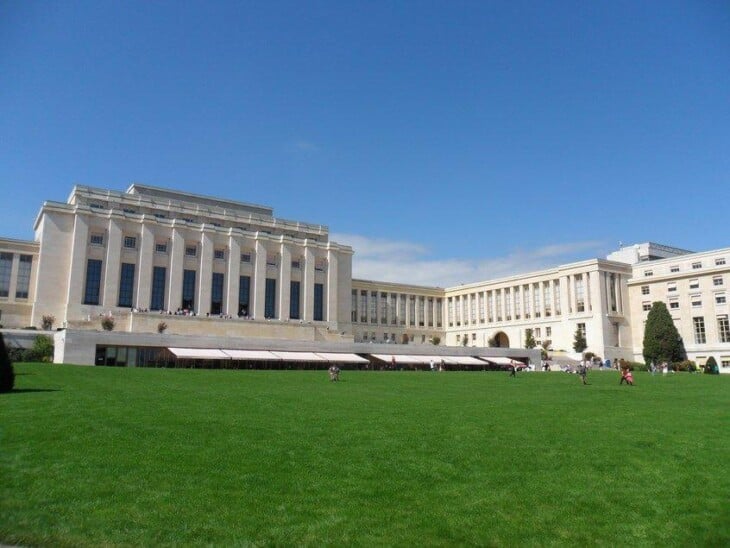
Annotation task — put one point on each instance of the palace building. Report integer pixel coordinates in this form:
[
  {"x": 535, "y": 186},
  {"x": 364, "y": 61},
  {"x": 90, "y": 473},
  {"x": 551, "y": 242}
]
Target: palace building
[{"x": 224, "y": 270}]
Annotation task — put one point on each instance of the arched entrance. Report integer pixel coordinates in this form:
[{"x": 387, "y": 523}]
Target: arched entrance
[{"x": 501, "y": 339}]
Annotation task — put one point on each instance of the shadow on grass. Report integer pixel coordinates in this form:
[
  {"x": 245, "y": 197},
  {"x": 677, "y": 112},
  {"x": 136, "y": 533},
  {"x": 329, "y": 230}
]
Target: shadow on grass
[{"x": 27, "y": 390}]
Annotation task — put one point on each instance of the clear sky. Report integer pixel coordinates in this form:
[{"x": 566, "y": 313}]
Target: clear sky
[{"x": 446, "y": 141}]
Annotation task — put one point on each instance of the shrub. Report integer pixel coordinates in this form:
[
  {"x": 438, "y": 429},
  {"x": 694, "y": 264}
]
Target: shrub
[
  {"x": 638, "y": 366},
  {"x": 161, "y": 327},
  {"x": 436, "y": 340},
  {"x": 107, "y": 323},
  {"x": 529, "y": 339},
  {"x": 47, "y": 322},
  {"x": 7, "y": 375},
  {"x": 41, "y": 351},
  {"x": 711, "y": 366},
  {"x": 579, "y": 341}
]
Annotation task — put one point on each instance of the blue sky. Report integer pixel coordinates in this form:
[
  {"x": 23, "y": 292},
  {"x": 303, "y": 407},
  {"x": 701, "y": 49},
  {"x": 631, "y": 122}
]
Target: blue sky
[{"x": 446, "y": 141}]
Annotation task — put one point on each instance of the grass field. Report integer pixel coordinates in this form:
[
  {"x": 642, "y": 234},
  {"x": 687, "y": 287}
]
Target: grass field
[{"x": 125, "y": 456}]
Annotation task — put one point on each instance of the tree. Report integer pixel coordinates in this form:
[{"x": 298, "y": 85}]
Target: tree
[
  {"x": 529, "y": 339},
  {"x": 492, "y": 341},
  {"x": 579, "y": 341},
  {"x": 545, "y": 347},
  {"x": 465, "y": 340},
  {"x": 711, "y": 366},
  {"x": 662, "y": 342},
  {"x": 436, "y": 340},
  {"x": 47, "y": 321},
  {"x": 7, "y": 375}
]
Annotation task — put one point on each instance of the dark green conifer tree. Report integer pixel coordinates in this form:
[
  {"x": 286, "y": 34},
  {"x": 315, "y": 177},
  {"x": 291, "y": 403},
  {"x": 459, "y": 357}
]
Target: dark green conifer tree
[{"x": 662, "y": 342}]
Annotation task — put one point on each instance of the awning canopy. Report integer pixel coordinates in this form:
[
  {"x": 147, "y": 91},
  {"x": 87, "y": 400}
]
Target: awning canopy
[
  {"x": 298, "y": 356},
  {"x": 465, "y": 360},
  {"x": 253, "y": 355},
  {"x": 337, "y": 357},
  {"x": 501, "y": 360},
  {"x": 199, "y": 353}
]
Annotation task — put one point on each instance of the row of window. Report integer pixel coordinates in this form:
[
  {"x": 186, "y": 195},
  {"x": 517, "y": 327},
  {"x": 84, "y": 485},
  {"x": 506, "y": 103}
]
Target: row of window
[
  {"x": 25, "y": 262},
  {"x": 695, "y": 302},
  {"x": 717, "y": 281},
  {"x": 723, "y": 329},
  {"x": 130, "y": 242},
  {"x": 92, "y": 291},
  {"x": 719, "y": 261},
  {"x": 391, "y": 338}
]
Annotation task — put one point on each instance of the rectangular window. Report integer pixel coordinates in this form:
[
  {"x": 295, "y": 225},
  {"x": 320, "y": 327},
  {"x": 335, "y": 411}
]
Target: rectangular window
[
  {"x": 439, "y": 312},
  {"x": 6, "y": 267},
  {"x": 160, "y": 216},
  {"x": 126, "y": 285},
  {"x": 412, "y": 310},
  {"x": 296, "y": 265},
  {"x": 272, "y": 260},
  {"x": 191, "y": 251},
  {"x": 130, "y": 242},
  {"x": 646, "y": 306},
  {"x": 699, "y": 327},
  {"x": 674, "y": 269},
  {"x": 538, "y": 332},
  {"x": 582, "y": 328},
  {"x": 270, "y": 298},
  {"x": 536, "y": 293},
  {"x": 696, "y": 266},
  {"x": 384, "y": 308},
  {"x": 548, "y": 331},
  {"x": 318, "y": 314},
  {"x": 579, "y": 294},
  {"x": 644, "y": 289},
  {"x": 696, "y": 300},
  {"x": 720, "y": 261},
  {"x": 720, "y": 298},
  {"x": 717, "y": 280},
  {"x": 373, "y": 307},
  {"x": 671, "y": 287},
  {"x": 674, "y": 304},
  {"x": 161, "y": 248},
  {"x": 128, "y": 210},
  {"x": 157, "y": 299},
  {"x": 97, "y": 239},
  {"x": 422, "y": 310},
  {"x": 219, "y": 254},
  {"x": 363, "y": 306},
  {"x": 245, "y": 257},
  {"x": 93, "y": 281},
  {"x": 723, "y": 329},
  {"x": 188, "y": 290},
  {"x": 294, "y": 287},
  {"x": 648, "y": 273},
  {"x": 694, "y": 284},
  {"x": 244, "y": 291},
  {"x": 402, "y": 310},
  {"x": 393, "y": 311},
  {"x": 353, "y": 306},
  {"x": 24, "y": 268},
  {"x": 216, "y": 293}
]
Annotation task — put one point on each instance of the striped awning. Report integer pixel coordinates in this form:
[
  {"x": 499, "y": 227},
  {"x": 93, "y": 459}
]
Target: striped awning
[
  {"x": 253, "y": 355},
  {"x": 337, "y": 357}
]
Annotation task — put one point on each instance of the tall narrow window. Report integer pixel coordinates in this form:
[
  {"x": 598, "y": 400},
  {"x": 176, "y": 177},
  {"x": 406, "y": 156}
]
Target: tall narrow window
[
  {"x": 294, "y": 300},
  {"x": 244, "y": 291},
  {"x": 157, "y": 300},
  {"x": 21, "y": 291},
  {"x": 93, "y": 281},
  {"x": 126, "y": 285},
  {"x": 216, "y": 293},
  {"x": 270, "y": 298},
  {"x": 363, "y": 306},
  {"x": 384, "y": 308},
  {"x": 318, "y": 302},
  {"x": 353, "y": 306},
  {"x": 373, "y": 307},
  {"x": 412, "y": 310},
  {"x": 439, "y": 312},
  {"x": 188, "y": 290},
  {"x": 6, "y": 267},
  {"x": 699, "y": 326},
  {"x": 723, "y": 329}
]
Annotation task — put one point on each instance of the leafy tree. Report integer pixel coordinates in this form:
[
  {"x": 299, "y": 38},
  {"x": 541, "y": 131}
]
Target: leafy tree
[
  {"x": 492, "y": 341},
  {"x": 579, "y": 341},
  {"x": 436, "y": 340},
  {"x": 7, "y": 375},
  {"x": 529, "y": 339},
  {"x": 711, "y": 366},
  {"x": 465, "y": 340},
  {"x": 662, "y": 342}
]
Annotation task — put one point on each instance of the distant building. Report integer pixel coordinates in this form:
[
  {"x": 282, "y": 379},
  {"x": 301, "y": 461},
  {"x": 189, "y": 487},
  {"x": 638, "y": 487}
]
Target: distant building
[{"x": 218, "y": 268}]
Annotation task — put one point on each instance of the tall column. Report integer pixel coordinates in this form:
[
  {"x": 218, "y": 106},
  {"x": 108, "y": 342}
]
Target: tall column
[
  {"x": 206, "y": 273},
  {"x": 175, "y": 276},
  {"x": 144, "y": 267},
  {"x": 112, "y": 267},
  {"x": 233, "y": 276},
  {"x": 75, "y": 288},
  {"x": 597, "y": 302},
  {"x": 308, "y": 286},
  {"x": 284, "y": 281},
  {"x": 333, "y": 285},
  {"x": 259, "y": 280},
  {"x": 553, "y": 300}
]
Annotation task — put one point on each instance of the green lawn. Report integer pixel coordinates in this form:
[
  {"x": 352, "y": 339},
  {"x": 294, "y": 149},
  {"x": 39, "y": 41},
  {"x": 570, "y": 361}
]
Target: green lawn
[{"x": 125, "y": 456}]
